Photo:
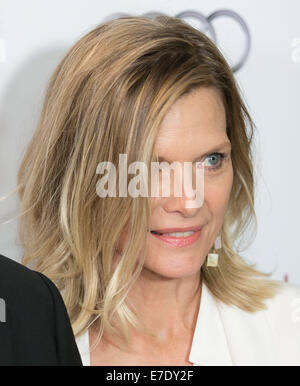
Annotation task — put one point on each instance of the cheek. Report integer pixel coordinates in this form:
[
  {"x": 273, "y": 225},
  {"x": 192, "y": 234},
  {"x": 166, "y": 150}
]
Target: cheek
[
  {"x": 217, "y": 193},
  {"x": 156, "y": 202}
]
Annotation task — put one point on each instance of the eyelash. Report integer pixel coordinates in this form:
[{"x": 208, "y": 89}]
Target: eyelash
[
  {"x": 215, "y": 168},
  {"x": 223, "y": 156}
]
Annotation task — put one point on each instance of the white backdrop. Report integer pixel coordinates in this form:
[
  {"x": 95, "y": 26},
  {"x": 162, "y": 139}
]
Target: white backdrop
[{"x": 35, "y": 34}]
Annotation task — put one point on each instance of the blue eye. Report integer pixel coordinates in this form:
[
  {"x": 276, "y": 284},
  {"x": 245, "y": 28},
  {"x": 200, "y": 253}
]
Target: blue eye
[{"x": 216, "y": 161}]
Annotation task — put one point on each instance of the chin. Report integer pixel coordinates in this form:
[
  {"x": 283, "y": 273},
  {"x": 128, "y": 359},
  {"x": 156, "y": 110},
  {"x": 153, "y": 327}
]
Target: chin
[{"x": 172, "y": 267}]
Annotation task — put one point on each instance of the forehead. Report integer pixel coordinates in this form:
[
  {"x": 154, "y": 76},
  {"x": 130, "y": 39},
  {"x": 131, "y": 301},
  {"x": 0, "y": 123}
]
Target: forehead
[{"x": 195, "y": 122}]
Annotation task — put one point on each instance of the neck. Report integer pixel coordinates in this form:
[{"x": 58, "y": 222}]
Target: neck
[{"x": 166, "y": 307}]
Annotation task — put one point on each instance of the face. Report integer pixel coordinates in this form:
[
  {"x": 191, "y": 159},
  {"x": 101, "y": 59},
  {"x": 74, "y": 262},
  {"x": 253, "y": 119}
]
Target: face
[{"x": 193, "y": 129}]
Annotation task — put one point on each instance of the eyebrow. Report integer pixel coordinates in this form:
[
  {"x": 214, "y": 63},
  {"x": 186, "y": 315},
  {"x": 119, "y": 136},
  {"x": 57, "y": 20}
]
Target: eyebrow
[{"x": 216, "y": 149}]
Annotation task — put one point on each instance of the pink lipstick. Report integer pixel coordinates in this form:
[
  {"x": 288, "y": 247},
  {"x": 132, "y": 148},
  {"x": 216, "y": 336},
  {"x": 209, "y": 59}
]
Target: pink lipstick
[{"x": 178, "y": 237}]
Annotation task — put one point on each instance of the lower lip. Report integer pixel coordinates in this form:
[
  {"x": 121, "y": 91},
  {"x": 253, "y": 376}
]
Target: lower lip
[{"x": 179, "y": 241}]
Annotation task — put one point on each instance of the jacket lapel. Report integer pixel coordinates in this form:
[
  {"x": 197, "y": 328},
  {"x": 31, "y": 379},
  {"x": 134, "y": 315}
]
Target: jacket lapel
[
  {"x": 227, "y": 335},
  {"x": 209, "y": 345}
]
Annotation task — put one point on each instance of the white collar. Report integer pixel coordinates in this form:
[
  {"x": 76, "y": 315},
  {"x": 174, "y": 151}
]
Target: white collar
[
  {"x": 227, "y": 335},
  {"x": 83, "y": 345},
  {"x": 209, "y": 345}
]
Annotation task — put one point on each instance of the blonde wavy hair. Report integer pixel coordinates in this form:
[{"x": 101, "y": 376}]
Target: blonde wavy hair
[{"x": 109, "y": 95}]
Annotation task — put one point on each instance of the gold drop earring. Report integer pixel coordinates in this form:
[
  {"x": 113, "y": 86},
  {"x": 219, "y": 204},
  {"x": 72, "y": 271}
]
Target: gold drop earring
[{"x": 212, "y": 257}]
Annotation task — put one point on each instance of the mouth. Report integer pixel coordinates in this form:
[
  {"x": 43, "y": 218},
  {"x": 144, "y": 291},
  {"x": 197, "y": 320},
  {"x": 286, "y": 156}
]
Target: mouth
[
  {"x": 178, "y": 237},
  {"x": 174, "y": 234}
]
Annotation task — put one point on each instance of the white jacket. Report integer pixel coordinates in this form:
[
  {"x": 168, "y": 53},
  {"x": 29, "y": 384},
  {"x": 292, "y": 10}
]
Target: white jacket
[{"x": 226, "y": 335}]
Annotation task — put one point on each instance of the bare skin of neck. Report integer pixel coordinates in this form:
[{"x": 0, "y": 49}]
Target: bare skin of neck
[{"x": 167, "y": 308}]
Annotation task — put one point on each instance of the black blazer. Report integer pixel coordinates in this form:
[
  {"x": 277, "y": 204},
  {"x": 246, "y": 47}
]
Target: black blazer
[{"x": 34, "y": 325}]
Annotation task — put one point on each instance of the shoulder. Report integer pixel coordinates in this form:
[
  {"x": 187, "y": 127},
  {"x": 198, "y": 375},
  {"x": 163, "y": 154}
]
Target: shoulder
[
  {"x": 267, "y": 336},
  {"x": 283, "y": 310},
  {"x": 11, "y": 267},
  {"x": 35, "y": 313},
  {"x": 19, "y": 285},
  {"x": 285, "y": 291},
  {"x": 282, "y": 306}
]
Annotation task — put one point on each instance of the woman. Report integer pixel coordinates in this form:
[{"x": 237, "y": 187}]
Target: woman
[{"x": 137, "y": 275}]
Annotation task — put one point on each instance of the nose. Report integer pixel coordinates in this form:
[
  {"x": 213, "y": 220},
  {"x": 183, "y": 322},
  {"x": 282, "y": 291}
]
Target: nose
[
  {"x": 179, "y": 205},
  {"x": 190, "y": 200}
]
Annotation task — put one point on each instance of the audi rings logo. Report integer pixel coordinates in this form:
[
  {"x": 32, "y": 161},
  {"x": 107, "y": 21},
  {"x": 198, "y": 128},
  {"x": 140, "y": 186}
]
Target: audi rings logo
[{"x": 207, "y": 26}]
